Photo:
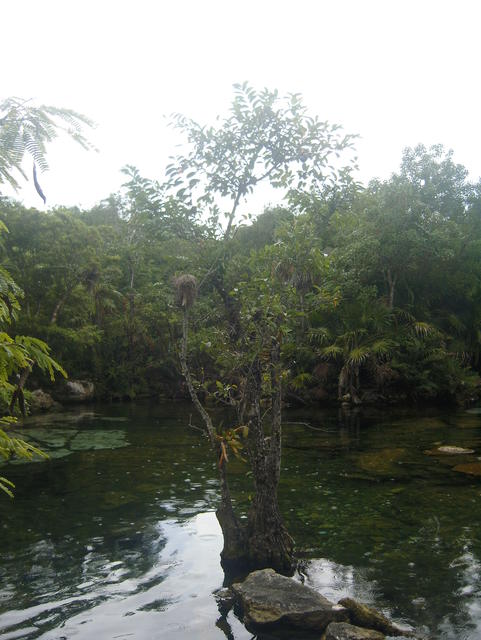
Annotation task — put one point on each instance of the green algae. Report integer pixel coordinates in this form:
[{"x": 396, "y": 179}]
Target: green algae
[
  {"x": 97, "y": 439},
  {"x": 385, "y": 462}
]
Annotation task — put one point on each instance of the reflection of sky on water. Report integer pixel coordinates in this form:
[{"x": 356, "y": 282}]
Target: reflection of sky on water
[
  {"x": 124, "y": 543},
  {"x": 467, "y": 617},
  {"x": 169, "y": 600},
  {"x": 166, "y": 600},
  {"x": 336, "y": 581}
]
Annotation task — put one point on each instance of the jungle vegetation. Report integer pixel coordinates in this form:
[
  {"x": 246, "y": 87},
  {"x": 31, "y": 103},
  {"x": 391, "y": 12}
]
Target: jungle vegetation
[
  {"x": 344, "y": 293},
  {"x": 378, "y": 285},
  {"x": 25, "y": 131}
]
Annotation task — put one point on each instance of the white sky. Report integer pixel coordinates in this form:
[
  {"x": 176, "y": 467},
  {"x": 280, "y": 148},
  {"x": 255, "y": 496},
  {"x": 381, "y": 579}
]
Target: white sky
[{"x": 397, "y": 72}]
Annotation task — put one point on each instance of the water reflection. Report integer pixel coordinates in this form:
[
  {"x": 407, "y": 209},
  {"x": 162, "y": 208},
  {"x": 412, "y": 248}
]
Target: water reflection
[
  {"x": 161, "y": 579},
  {"x": 124, "y": 543}
]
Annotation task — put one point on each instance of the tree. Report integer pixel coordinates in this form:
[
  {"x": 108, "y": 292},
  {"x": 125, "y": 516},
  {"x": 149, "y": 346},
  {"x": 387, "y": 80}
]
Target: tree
[
  {"x": 265, "y": 139},
  {"x": 18, "y": 356},
  {"x": 27, "y": 129},
  {"x": 362, "y": 340}
]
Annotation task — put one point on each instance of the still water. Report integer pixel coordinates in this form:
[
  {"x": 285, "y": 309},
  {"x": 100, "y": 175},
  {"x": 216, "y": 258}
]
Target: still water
[{"x": 115, "y": 536}]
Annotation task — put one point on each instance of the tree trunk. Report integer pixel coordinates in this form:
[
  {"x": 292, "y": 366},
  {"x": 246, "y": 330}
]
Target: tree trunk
[
  {"x": 391, "y": 282},
  {"x": 231, "y": 308},
  {"x": 58, "y": 306},
  {"x": 18, "y": 393},
  {"x": 269, "y": 543},
  {"x": 264, "y": 542},
  {"x": 234, "y": 552},
  {"x": 130, "y": 325}
]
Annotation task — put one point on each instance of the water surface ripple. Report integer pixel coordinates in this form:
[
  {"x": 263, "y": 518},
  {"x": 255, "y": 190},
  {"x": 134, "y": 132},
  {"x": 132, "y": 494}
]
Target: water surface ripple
[{"x": 116, "y": 536}]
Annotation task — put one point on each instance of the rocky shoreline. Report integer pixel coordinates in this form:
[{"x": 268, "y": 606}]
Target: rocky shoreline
[{"x": 281, "y": 607}]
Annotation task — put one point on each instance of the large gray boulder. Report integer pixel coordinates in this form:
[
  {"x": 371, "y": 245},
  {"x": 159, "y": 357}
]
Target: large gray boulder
[
  {"x": 345, "y": 631},
  {"x": 77, "y": 391},
  {"x": 267, "y": 599}
]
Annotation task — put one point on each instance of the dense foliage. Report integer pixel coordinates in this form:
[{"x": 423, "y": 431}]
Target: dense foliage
[
  {"x": 25, "y": 131},
  {"x": 382, "y": 285},
  {"x": 379, "y": 286}
]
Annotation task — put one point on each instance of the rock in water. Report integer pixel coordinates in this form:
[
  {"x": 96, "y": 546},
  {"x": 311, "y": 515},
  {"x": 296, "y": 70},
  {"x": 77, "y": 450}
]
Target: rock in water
[
  {"x": 364, "y": 616},
  {"x": 41, "y": 401},
  {"x": 471, "y": 468},
  {"x": 449, "y": 450},
  {"x": 77, "y": 391},
  {"x": 225, "y": 599},
  {"x": 345, "y": 631},
  {"x": 267, "y": 598}
]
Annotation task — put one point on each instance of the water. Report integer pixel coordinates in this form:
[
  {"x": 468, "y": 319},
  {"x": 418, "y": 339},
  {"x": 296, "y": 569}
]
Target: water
[{"x": 116, "y": 537}]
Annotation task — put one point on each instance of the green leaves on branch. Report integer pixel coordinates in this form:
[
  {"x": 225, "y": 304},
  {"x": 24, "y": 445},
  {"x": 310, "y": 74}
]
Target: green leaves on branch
[
  {"x": 10, "y": 447},
  {"x": 267, "y": 138},
  {"x": 23, "y": 352},
  {"x": 26, "y": 129}
]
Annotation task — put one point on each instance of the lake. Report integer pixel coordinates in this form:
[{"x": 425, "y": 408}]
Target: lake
[{"x": 115, "y": 536}]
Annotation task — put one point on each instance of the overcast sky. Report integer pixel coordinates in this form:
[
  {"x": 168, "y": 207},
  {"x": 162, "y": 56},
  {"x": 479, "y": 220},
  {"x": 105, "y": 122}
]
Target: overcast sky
[{"x": 397, "y": 72}]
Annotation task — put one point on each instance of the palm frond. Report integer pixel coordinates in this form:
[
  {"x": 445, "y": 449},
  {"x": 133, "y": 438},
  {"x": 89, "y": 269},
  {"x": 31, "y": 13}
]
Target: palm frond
[
  {"x": 358, "y": 356},
  {"x": 424, "y": 329},
  {"x": 332, "y": 351},
  {"x": 319, "y": 335}
]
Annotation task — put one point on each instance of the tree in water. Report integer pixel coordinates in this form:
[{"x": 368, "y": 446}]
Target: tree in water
[{"x": 272, "y": 140}]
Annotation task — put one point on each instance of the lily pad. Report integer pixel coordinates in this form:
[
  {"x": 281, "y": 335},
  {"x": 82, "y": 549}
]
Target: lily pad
[
  {"x": 58, "y": 443},
  {"x": 467, "y": 422}
]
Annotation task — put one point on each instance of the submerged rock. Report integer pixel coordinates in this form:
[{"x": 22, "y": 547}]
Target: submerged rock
[
  {"x": 383, "y": 462},
  {"x": 266, "y": 598},
  {"x": 364, "y": 616},
  {"x": 345, "y": 631},
  {"x": 98, "y": 439},
  {"x": 57, "y": 442},
  {"x": 448, "y": 450},
  {"x": 470, "y": 468}
]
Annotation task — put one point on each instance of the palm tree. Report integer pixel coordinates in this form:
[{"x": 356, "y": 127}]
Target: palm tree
[{"x": 361, "y": 338}]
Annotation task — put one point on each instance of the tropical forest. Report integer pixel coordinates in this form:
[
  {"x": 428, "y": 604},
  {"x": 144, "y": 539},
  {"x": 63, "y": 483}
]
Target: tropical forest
[{"x": 241, "y": 385}]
